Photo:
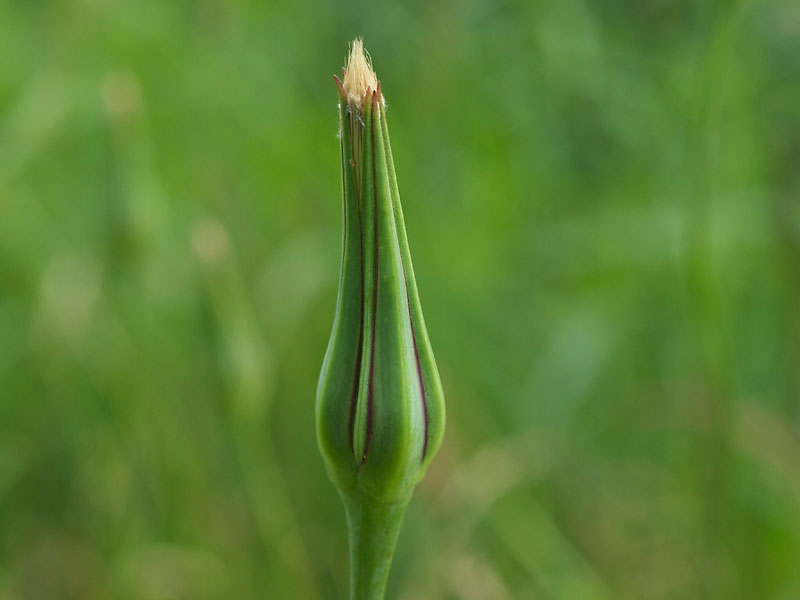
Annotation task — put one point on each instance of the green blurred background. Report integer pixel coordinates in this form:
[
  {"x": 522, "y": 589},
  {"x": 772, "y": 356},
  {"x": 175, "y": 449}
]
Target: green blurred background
[{"x": 603, "y": 204}]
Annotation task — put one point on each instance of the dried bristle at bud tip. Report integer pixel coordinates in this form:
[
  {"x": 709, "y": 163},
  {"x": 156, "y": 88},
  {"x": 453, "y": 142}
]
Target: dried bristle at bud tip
[{"x": 359, "y": 78}]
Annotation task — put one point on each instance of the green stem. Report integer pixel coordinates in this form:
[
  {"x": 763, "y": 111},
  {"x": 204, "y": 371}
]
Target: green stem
[{"x": 374, "y": 529}]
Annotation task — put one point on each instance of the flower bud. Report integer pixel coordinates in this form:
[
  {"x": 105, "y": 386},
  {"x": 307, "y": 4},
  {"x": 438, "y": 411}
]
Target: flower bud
[{"x": 380, "y": 405}]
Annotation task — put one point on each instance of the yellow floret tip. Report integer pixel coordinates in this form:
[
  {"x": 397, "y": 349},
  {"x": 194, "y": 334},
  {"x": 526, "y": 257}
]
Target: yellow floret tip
[{"x": 359, "y": 78}]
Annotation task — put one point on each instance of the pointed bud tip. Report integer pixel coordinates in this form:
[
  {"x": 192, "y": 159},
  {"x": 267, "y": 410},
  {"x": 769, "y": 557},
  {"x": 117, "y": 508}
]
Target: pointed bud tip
[
  {"x": 339, "y": 86},
  {"x": 359, "y": 79}
]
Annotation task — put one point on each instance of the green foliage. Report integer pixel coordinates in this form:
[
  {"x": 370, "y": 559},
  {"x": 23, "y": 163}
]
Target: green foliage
[{"x": 602, "y": 204}]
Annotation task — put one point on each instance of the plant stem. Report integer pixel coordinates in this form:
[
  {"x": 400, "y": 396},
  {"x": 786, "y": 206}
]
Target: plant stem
[{"x": 374, "y": 528}]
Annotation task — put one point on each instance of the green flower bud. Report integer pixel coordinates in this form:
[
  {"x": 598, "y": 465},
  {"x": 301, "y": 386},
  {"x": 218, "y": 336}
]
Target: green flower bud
[{"x": 380, "y": 405}]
